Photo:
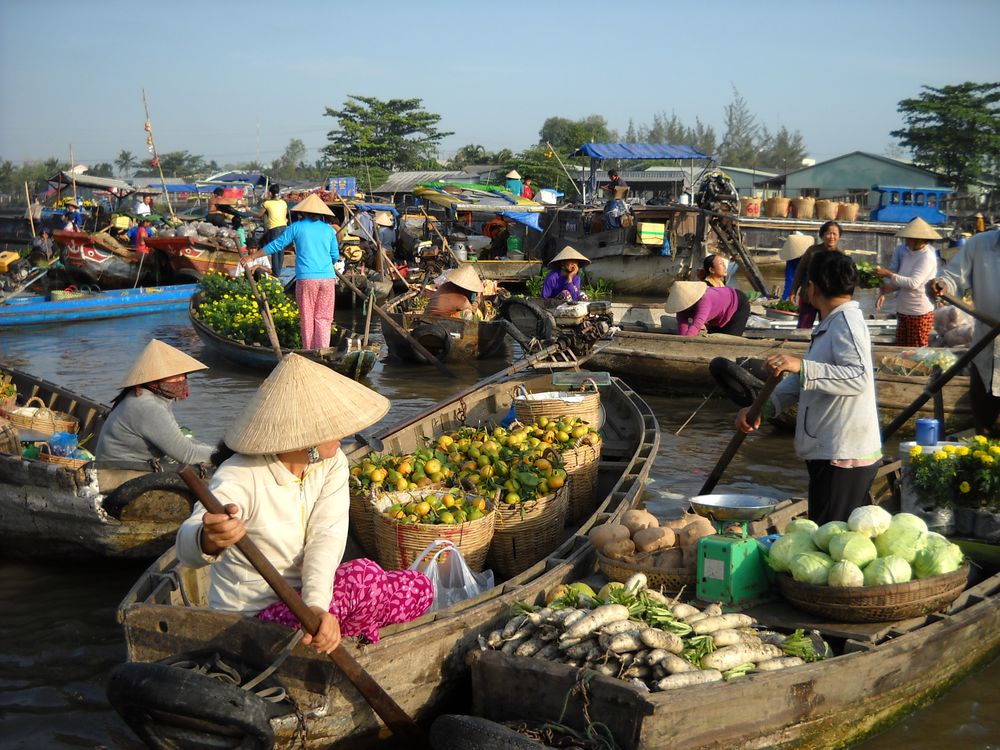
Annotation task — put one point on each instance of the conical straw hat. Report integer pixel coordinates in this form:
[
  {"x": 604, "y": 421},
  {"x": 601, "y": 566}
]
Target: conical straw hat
[
  {"x": 683, "y": 294},
  {"x": 513, "y": 175},
  {"x": 466, "y": 277},
  {"x": 313, "y": 204},
  {"x": 303, "y": 404},
  {"x": 918, "y": 229},
  {"x": 158, "y": 361},
  {"x": 569, "y": 253},
  {"x": 383, "y": 218},
  {"x": 795, "y": 246}
]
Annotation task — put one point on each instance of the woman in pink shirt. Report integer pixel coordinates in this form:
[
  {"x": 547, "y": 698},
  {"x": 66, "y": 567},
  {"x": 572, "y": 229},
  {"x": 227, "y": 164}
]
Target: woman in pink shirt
[{"x": 717, "y": 309}]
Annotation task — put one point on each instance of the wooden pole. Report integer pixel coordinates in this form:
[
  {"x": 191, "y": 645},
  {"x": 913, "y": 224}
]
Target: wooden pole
[
  {"x": 349, "y": 215},
  {"x": 388, "y": 710},
  {"x": 978, "y": 314},
  {"x": 31, "y": 219},
  {"x": 152, "y": 143},
  {"x": 72, "y": 174},
  {"x": 368, "y": 317},
  {"x": 265, "y": 313},
  {"x": 565, "y": 171}
]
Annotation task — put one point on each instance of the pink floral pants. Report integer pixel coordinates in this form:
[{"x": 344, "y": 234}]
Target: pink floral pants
[
  {"x": 315, "y": 298},
  {"x": 367, "y": 598}
]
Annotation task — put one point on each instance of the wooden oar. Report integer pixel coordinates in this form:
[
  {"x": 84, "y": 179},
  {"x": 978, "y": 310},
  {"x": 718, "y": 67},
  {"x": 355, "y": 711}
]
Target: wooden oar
[
  {"x": 417, "y": 346},
  {"x": 265, "y": 313},
  {"x": 737, "y": 439},
  {"x": 388, "y": 710}
]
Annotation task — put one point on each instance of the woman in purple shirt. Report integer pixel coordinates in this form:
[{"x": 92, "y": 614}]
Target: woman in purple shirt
[
  {"x": 716, "y": 308},
  {"x": 563, "y": 282}
]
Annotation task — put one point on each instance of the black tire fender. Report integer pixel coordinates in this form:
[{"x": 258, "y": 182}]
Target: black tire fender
[
  {"x": 530, "y": 318},
  {"x": 169, "y": 707},
  {"x": 119, "y": 498},
  {"x": 737, "y": 382},
  {"x": 455, "y": 732},
  {"x": 434, "y": 338}
]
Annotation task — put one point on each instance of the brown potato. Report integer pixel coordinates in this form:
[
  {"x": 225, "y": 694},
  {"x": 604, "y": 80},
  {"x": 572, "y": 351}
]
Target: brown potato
[
  {"x": 648, "y": 540},
  {"x": 637, "y": 520},
  {"x": 619, "y": 549},
  {"x": 694, "y": 531},
  {"x": 669, "y": 558},
  {"x": 679, "y": 523}
]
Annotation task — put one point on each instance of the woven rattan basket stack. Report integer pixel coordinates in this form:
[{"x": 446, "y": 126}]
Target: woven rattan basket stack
[
  {"x": 896, "y": 601},
  {"x": 584, "y": 404},
  {"x": 525, "y": 533},
  {"x": 581, "y": 464},
  {"x": 667, "y": 580}
]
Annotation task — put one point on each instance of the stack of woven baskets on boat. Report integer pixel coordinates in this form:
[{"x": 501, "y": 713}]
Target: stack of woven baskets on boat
[
  {"x": 502, "y": 494},
  {"x": 37, "y": 432}
]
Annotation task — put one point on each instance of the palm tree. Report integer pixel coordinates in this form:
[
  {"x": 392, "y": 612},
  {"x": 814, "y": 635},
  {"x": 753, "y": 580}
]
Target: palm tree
[{"x": 126, "y": 163}]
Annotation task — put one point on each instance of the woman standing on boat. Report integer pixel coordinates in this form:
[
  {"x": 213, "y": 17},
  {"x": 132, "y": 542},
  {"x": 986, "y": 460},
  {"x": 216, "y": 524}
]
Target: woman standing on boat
[
  {"x": 563, "y": 281},
  {"x": 837, "y": 429},
  {"x": 917, "y": 266},
  {"x": 829, "y": 235},
  {"x": 719, "y": 309},
  {"x": 141, "y": 425},
  {"x": 287, "y": 486},
  {"x": 316, "y": 250},
  {"x": 796, "y": 245}
]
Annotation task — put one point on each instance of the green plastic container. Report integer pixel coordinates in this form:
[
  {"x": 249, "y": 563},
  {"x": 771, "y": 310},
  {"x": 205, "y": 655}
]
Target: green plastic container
[{"x": 514, "y": 248}]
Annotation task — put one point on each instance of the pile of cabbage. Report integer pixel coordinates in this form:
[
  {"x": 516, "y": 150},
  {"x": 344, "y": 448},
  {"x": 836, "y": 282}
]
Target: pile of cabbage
[{"x": 873, "y": 548}]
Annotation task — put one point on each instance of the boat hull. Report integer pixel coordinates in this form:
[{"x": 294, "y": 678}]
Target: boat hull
[
  {"x": 469, "y": 339},
  {"x": 113, "y": 304}
]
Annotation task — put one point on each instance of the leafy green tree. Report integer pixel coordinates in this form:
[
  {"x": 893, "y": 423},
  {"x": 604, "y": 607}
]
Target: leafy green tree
[
  {"x": 102, "y": 170},
  {"x": 471, "y": 153},
  {"x": 742, "y": 142},
  {"x": 567, "y": 135},
  {"x": 287, "y": 165},
  {"x": 783, "y": 150},
  {"x": 954, "y": 130},
  {"x": 126, "y": 163},
  {"x": 382, "y": 136},
  {"x": 174, "y": 164}
]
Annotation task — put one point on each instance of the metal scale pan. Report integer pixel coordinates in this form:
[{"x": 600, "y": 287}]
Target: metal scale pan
[{"x": 732, "y": 507}]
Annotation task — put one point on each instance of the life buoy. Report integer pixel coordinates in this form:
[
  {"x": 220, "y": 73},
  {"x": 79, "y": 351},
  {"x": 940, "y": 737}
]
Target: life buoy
[
  {"x": 740, "y": 385},
  {"x": 169, "y": 707},
  {"x": 127, "y": 492},
  {"x": 533, "y": 321}
]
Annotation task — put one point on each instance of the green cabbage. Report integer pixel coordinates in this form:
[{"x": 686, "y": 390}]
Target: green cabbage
[
  {"x": 936, "y": 540},
  {"x": 869, "y": 520},
  {"x": 937, "y": 559},
  {"x": 801, "y": 524},
  {"x": 811, "y": 567},
  {"x": 909, "y": 520},
  {"x": 853, "y": 547},
  {"x": 822, "y": 535},
  {"x": 901, "y": 540},
  {"x": 886, "y": 570},
  {"x": 844, "y": 574},
  {"x": 786, "y": 547}
]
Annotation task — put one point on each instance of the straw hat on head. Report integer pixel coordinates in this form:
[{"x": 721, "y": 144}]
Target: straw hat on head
[
  {"x": 512, "y": 175},
  {"x": 71, "y": 204},
  {"x": 465, "y": 277},
  {"x": 159, "y": 361},
  {"x": 313, "y": 204},
  {"x": 918, "y": 229},
  {"x": 795, "y": 246},
  {"x": 569, "y": 253},
  {"x": 383, "y": 218},
  {"x": 303, "y": 404},
  {"x": 683, "y": 294}
]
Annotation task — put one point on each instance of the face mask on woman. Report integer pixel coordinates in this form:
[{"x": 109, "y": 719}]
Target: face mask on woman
[{"x": 177, "y": 389}]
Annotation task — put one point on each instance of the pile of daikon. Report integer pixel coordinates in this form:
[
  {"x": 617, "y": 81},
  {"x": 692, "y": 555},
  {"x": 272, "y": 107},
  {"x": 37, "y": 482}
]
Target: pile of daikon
[{"x": 654, "y": 642}]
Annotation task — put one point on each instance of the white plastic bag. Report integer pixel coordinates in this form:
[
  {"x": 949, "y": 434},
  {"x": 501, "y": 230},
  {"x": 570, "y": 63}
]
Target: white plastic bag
[{"x": 453, "y": 579}]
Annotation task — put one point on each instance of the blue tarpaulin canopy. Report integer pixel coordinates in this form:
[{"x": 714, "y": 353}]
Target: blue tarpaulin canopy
[
  {"x": 529, "y": 220},
  {"x": 638, "y": 151}
]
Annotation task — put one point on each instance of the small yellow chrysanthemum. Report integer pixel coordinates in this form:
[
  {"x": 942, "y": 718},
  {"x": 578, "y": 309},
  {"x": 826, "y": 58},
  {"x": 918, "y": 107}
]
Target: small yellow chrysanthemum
[
  {"x": 987, "y": 459},
  {"x": 940, "y": 455},
  {"x": 916, "y": 450},
  {"x": 981, "y": 439},
  {"x": 978, "y": 454},
  {"x": 963, "y": 451},
  {"x": 949, "y": 448},
  {"x": 964, "y": 487},
  {"x": 995, "y": 450}
]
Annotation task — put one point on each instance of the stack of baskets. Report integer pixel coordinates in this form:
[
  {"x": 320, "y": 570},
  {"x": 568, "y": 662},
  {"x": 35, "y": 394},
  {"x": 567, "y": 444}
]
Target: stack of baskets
[
  {"x": 896, "y": 601},
  {"x": 525, "y": 533},
  {"x": 361, "y": 513},
  {"x": 581, "y": 464},
  {"x": 40, "y": 419},
  {"x": 398, "y": 544}
]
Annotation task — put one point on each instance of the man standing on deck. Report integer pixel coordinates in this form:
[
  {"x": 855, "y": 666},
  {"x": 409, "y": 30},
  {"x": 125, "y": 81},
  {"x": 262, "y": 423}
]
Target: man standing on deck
[{"x": 275, "y": 213}]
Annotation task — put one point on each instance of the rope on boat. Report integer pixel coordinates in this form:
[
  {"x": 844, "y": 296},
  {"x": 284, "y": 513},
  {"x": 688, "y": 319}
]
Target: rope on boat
[{"x": 595, "y": 736}]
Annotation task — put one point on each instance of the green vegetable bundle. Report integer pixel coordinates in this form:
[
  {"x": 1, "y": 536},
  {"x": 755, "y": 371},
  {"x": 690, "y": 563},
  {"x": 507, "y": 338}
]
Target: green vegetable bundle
[
  {"x": 867, "y": 276},
  {"x": 784, "y": 305}
]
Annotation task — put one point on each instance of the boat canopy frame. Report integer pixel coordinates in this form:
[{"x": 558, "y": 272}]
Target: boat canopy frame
[{"x": 598, "y": 152}]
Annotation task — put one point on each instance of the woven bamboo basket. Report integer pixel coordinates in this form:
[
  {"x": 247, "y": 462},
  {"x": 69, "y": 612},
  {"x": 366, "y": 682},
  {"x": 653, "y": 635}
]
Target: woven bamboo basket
[
  {"x": 581, "y": 464},
  {"x": 584, "y": 404},
  {"x": 848, "y": 211},
  {"x": 826, "y": 210},
  {"x": 667, "y": 580},
  {"x": 10, "y": 441},
  {"x": 526, "y": 533},
  {"x": 41, "y": 419},
  {"x": 398, "y": 544},
  {"x": 45, "y": 455},
  {"x": 362, "y": 512},
  {"x": 897, "y": 601}
]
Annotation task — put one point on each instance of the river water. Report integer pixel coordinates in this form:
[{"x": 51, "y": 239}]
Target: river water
[{"x": 58, "y": 635}]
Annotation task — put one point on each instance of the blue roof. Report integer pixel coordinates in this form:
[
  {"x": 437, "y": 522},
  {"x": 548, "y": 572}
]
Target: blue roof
[{"x": 638, "y": 151}]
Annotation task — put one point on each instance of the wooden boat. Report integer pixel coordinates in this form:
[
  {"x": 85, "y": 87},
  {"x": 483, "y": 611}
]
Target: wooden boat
[
  {"x": 191, "y": 258},
  {"x": 346, "y": 356},
  {"x": 103, "y": 509},
  {"x": 661, "y": 362},
  {"x": 882, "y": 672},
  {"x": 447, "y": 338},
  {"x": 110, "y": 304},
  {"x": 97, "y": 258},
  {"x": 421, "y": 663}
]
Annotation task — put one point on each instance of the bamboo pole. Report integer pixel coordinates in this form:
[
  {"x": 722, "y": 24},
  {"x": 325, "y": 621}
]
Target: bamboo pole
[
  {"x": 565, "y": 171},
  {"x": 156, "y": 158},
  {"x": 31, "y": 219},
  {"x": 72, "y": 173}
]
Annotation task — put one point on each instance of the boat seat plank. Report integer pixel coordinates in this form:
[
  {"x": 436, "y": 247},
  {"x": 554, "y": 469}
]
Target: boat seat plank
[{"x": 780, "y": 614}]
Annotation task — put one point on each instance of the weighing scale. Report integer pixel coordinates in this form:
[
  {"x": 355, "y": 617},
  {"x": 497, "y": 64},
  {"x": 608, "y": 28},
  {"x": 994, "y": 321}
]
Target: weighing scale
[{"x": 732, "y": 566}]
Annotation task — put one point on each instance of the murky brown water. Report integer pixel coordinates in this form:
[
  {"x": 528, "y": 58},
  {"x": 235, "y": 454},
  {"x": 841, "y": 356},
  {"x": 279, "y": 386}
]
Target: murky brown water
[{"x": 58, "y": 635}]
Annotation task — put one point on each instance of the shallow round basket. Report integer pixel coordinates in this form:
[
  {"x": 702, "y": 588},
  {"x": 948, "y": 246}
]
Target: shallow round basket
[
  {"x": 581, "y": 463},
  {"x": 46, "y": 456},
  {"x": 896, "y": 601},
  {"x": 525, "y": 533},
  {"x": 584, "y": 404},
  {"x": 773, "y": 314},
  {"x": 667, "y": 580},
  {"x": 398, "y": 545}
]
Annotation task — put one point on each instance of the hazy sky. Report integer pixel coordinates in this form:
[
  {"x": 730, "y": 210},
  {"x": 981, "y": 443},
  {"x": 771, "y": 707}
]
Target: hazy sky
[{"x": 235, "y": 81}]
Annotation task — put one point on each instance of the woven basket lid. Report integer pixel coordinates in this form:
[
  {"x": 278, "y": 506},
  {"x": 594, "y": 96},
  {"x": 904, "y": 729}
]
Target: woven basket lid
[
  {"x": 918, "y": 229},
  {"x": 158, "y": 361},
  {"x": 570, "y": 253},
  {"x": 313, "y": 204},
  {"x": 465, "y": 276},
  {"x": 795, "y": 246},
  {"x": 683, "y": 294},
  {"x": 303, "y": 404}
]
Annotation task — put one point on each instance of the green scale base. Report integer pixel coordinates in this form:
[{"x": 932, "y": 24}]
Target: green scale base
[{"x": 732, "y": 569}]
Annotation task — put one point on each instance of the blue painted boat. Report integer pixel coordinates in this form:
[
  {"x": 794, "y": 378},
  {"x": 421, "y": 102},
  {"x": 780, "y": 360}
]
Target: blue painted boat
[{"x": 115, "y": 303}]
